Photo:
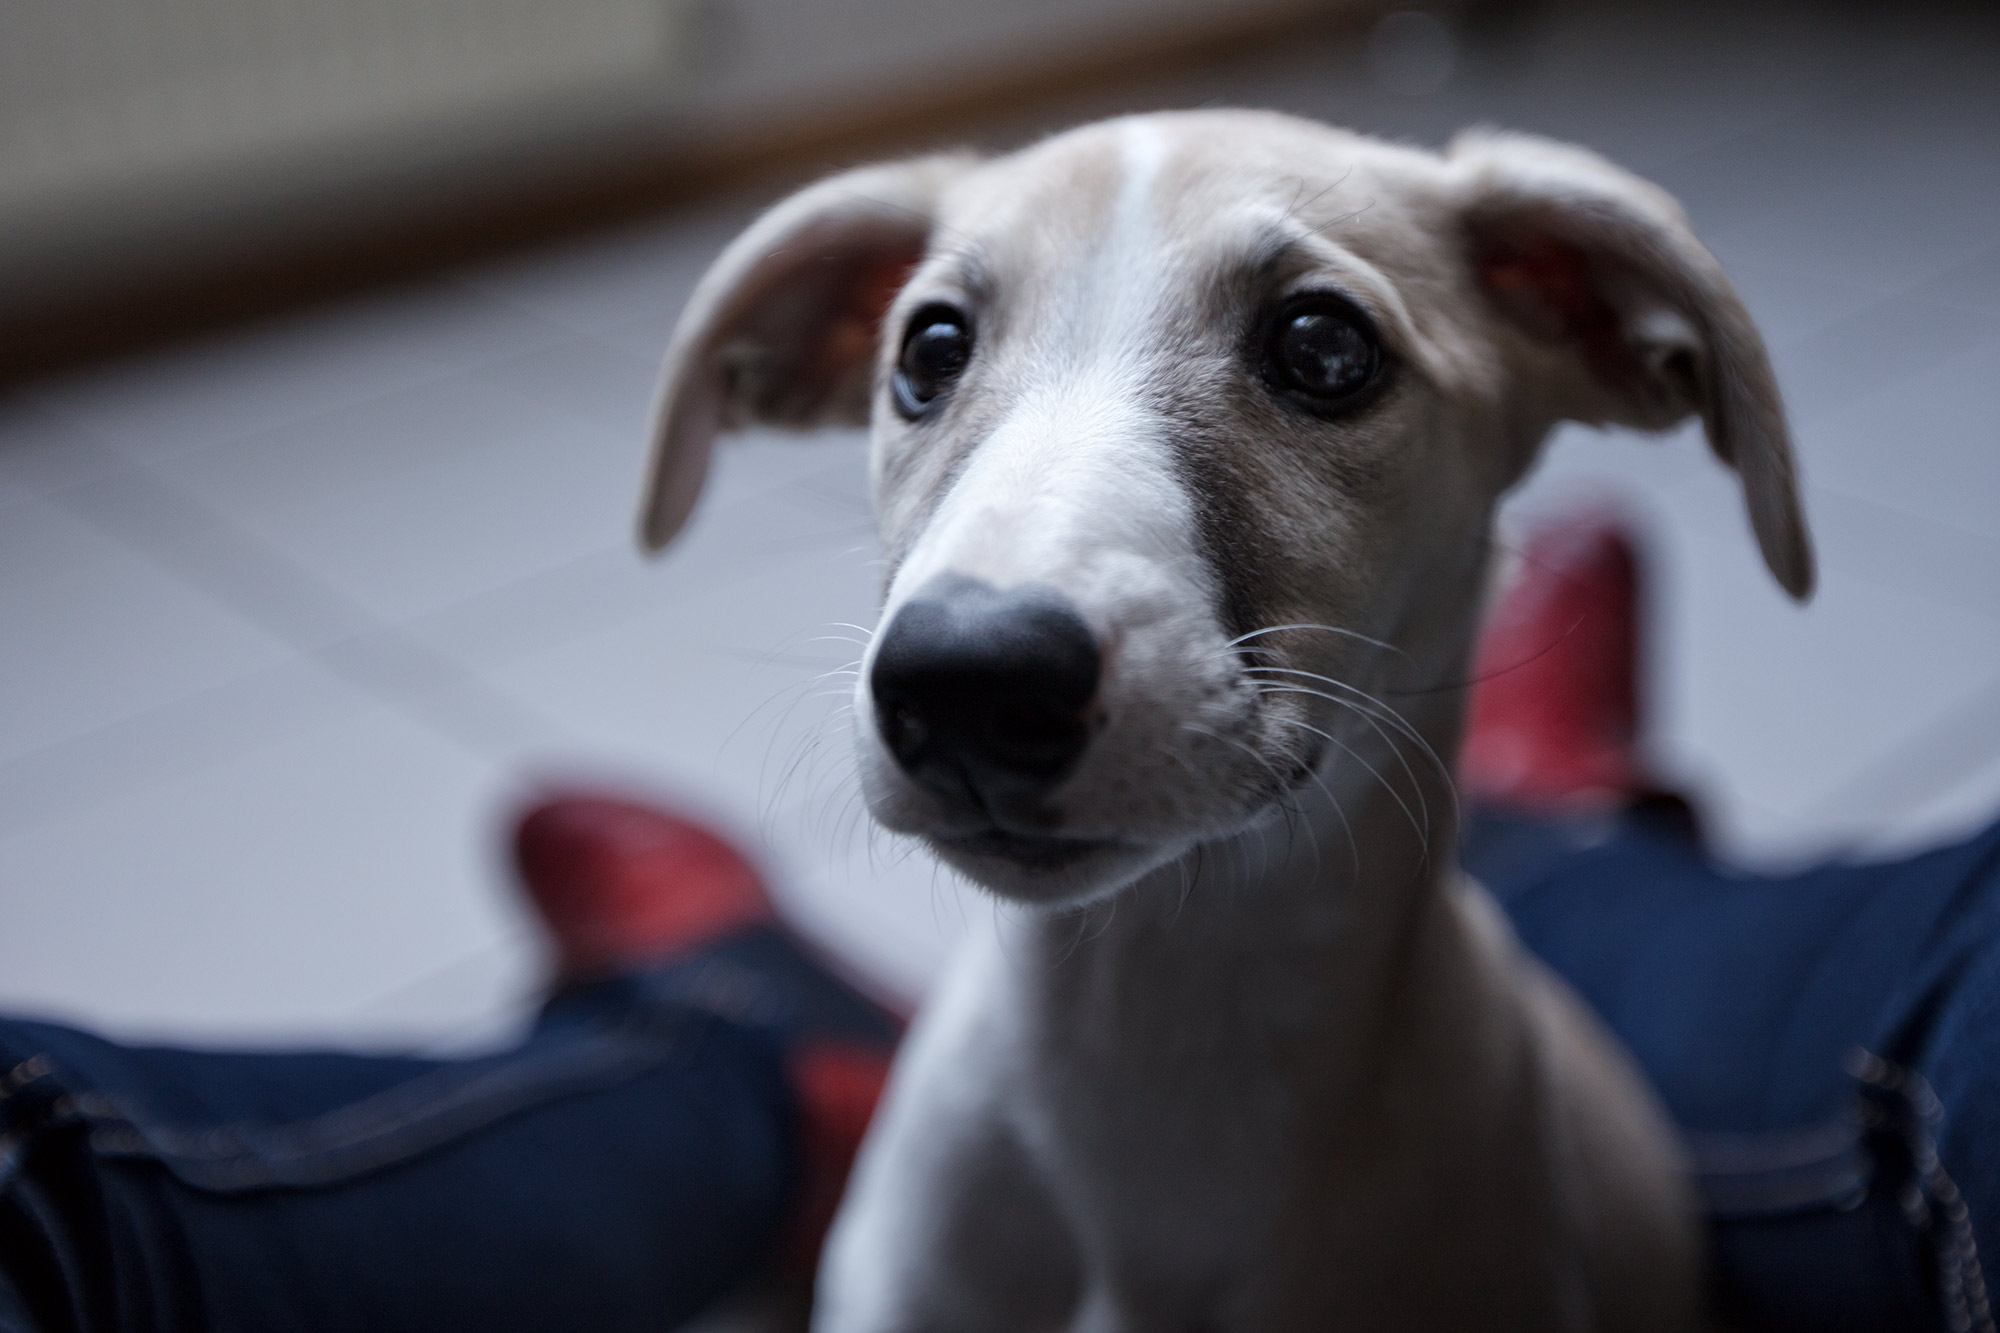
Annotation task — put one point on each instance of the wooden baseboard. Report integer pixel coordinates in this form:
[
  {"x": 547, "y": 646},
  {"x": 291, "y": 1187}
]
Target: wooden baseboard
[{"x": 172, "y": 300}]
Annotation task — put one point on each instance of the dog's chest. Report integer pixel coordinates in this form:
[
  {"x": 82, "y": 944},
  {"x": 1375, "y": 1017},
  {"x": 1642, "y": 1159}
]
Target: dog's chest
[{"x": 1173, "y": 1101}]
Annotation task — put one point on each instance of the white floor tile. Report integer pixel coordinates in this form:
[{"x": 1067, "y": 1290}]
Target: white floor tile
[
  {"x": 1762, "y": 702},
  {"x": 97, "y": 635},
  {"x": 1862, "y": 538},
  {"x": 71, "y": 778},
  {"x": 597, "y": 286},
  {"x": 264, "y": 898},
  {"x": 1939, "y": 782},
  {"x": 1888, "y": 182},
  {"x": 1580, "y": 461},
  {"x": 727, "y": 542},
  {"x": 230, "y": 386},
  {"x": 1943, "y": 815},
  {"x": 414, "y": 501},
  {"x": 714, "y": 688},
  {"x": 1870, "y": 352},
  {"x": 39, "y": 541},
  {"x": 588, "y": 377},
  {"x": 1928, "y": 444},
  {"x": 754, "y": 462},
  {"x": 1790, "y": 307},
  {"x": 162, "y": 523},
  {"x": 39, "y": 452},
  {"x": 1646, "y": 87},
  {"x": 1975, "y": 285},
  {"x": 646, "y": 337}
]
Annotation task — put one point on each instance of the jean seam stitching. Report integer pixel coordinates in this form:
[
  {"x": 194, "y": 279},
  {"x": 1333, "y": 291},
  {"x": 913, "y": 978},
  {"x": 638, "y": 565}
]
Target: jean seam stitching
[{"x": 230, "y": 1156}]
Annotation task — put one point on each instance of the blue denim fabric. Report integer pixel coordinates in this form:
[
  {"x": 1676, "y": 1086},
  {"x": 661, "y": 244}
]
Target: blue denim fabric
[
  {"x": 620, "y": 1167},
  {"x": 1828, "y": 1043}
]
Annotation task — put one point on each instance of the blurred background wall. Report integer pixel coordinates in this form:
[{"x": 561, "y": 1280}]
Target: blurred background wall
[{"x": 170, "y": 163}]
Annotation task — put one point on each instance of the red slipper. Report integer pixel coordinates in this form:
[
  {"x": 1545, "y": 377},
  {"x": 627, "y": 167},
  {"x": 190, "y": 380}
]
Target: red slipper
[
  {"x": 621, "y": 885},
  {"x": 1554, "y": 725},
  {"x": 624, "y": 887}
]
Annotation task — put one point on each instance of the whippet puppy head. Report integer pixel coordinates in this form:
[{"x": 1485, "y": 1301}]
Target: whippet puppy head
[{"x": 1188, "y": 431}]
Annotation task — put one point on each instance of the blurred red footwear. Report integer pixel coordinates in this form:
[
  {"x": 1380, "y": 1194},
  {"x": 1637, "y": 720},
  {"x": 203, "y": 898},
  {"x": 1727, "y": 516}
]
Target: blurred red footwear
[
  {"x": 622, "y": 885},
  {"x": 1554, "y": 723},
  {"x": 837, "y": 1087},
  {"x": 625, "y": 888}
]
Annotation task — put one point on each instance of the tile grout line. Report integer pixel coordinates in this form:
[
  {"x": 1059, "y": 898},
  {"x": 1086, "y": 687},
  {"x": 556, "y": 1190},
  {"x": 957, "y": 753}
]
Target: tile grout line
[
  {"x": 54, "y": 404},
  {"x": 1921, "y": 765},
  {"x": 345, "y": 651}
]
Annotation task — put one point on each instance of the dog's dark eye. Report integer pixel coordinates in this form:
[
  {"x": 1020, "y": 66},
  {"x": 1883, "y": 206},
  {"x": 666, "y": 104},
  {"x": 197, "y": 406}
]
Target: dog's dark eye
[
  {"x": 935, "y": 351},
  {"x": 1324, "y": 350}
]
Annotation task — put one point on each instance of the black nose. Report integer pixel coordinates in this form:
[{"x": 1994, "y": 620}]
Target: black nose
[{"x": 981, "y": 693}]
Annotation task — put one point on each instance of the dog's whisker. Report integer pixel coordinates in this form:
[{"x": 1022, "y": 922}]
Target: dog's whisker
[
  {"x": 806, "y": 748},
  {"x": 754, "y": 714},
  {"x": 848, "y": 821},
  {"x": 1423, "y": 802},
  {"x": 1244, "y": 638},
  {"x": 837, "y": 638},
  {"x": 769, "y": 794},
  {"x": 1295, "y": 819},
  {"x": 1384, "y": 712},
  {"x": 1162, "y": 748},
  {"x": 1420, "y": 827},
  {"x": 1387, "y": 740},
  {"x": 1450, "y": 786},
  {"x": 803, "y": 747},
  {"x": 1353, "y": 847},
  {"x": 1278, "y": 782},
  {"x": 1388, "y": 712}
]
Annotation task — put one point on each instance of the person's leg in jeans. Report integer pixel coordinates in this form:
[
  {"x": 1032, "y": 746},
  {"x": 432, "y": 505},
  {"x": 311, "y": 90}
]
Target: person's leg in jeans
[
  {"x": 685, "y": 1103},
  {"x": 1828, "y": 1042}
]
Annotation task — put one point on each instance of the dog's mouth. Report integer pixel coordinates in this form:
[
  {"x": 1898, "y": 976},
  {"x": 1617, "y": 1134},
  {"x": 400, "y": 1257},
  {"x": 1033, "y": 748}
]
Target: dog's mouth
[{"x": 1029, "y": 851}]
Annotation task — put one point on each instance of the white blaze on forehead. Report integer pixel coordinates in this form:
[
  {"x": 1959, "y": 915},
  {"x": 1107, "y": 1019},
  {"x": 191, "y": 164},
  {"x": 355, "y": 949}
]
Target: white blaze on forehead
[
  {"x": 1075, "y": 489},
  {"x": 1131, "y": 261},
  {"x": 1075, "y": 485}
]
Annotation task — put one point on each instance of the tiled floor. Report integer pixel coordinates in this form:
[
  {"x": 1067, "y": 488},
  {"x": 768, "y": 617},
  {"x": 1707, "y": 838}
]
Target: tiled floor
[{"x": 291, "y": 617}]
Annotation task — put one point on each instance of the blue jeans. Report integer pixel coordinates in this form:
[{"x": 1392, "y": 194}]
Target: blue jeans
[
  {"x": 631, "y": 1158},
  {"x": 623, "y": 1164},
  {"x": 1827, "y": 1042}
]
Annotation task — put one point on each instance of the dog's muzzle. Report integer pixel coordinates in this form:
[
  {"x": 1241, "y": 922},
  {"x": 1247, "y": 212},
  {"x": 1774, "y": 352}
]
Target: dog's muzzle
[{"x": 984, "y": 696}]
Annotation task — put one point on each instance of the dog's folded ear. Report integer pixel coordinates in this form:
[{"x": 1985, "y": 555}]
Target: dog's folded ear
[
  {"x": 781, "y": 330},
  {"x": 1626, "y": 318}
]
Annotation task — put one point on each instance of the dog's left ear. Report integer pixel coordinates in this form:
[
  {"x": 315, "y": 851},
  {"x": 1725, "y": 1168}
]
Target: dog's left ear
[
  {"x": 781, "y": 329},
  {"x": 1628, "y": 319}
]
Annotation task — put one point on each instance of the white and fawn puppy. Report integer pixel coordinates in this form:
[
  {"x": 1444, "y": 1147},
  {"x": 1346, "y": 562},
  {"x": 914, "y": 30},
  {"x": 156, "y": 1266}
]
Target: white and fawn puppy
[{"x": 1188, "y": 432}]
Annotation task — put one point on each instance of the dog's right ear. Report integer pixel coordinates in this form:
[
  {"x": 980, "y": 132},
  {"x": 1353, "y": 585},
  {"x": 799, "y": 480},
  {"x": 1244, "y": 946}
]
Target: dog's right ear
[{"x": 781, "y": 330}]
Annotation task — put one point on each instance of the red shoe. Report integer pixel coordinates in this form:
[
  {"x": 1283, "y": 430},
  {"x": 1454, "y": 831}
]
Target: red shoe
[
  {"x": 1554, "y": 723},
  {"x": 621, "y": 885},
  {"x": 624, "y": 887},
  {"x": 838, "y": 1087}
]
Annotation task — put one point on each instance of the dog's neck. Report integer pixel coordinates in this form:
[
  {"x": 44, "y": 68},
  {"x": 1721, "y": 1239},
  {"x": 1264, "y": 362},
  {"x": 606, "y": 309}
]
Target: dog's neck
[{"x": 1309, "y": 926}]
